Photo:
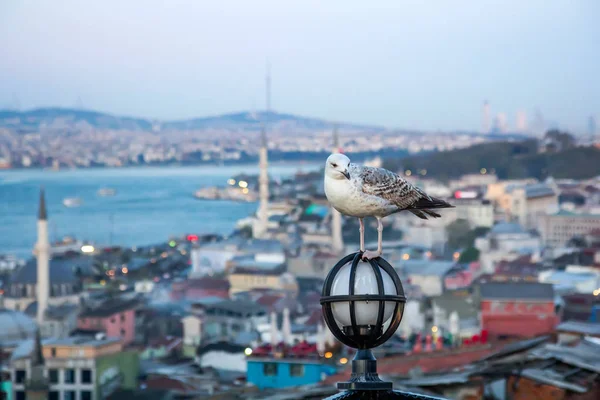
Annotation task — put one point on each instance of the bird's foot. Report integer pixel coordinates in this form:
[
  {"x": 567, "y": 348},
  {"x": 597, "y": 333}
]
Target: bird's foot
[{"x": 369, "y": 255}]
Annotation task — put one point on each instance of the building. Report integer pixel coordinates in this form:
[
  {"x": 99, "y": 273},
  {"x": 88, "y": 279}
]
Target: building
[
  {"x": 199, "y": 288},
  {"x": 517, "y": 309},
  {"x": 211, "y": 258},
  {"x": 521, "y": 122},
  {"x": 505, "y": 241},
  {"x": 478, "y": 212},
  {"x": 466, "y": 307},
  {"x": 558, "y": 228},
  {"x": 214, "y": 319},
  {"x": 16, "y": 326},
  {"x": 531, "y": 202},
  {"x": 286, "y": 367},
  {"x": 114, "y": 317},
  {"x": 265, "y": 270},
  {"x": 486, "y": 119},
  {"x": 224, "y": 357},
  {"x": 77, "y": 368},
  {"x": 428, "y": 275}
]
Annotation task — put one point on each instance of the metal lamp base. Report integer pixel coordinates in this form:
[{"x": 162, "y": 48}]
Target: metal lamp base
[{"x": 364, "y": 374}]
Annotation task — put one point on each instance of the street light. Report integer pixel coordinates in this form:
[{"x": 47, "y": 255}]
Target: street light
[{"x": 363, "y": 303}]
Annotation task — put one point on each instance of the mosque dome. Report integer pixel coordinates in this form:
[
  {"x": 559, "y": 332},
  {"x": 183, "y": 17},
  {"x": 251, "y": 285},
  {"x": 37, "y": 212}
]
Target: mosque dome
[{"x": 16, "y": 326}]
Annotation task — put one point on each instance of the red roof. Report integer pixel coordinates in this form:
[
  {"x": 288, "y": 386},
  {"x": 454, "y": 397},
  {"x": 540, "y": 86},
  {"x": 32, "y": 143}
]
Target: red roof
[{"x": 437, "y": 360}]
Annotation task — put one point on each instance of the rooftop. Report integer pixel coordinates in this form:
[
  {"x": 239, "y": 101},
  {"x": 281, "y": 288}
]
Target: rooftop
[
  {"x": 507, "y": 228},
  {"x": 517, "y": 290},
  {"x": 426, "y": 267},
  {"x": 62, "y": 270},
  {"x": 585, "y": 328},
  {"x": 109, "y": 307}
]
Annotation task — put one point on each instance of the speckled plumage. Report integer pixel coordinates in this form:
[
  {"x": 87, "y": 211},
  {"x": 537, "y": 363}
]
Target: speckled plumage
[
  {"x": 375, "y": 192},
  {"x": 360, "y": 192}
]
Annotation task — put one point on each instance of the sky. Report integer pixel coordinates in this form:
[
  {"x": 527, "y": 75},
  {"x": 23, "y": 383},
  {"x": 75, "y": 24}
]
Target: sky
[{"x": 397, "y": 63}]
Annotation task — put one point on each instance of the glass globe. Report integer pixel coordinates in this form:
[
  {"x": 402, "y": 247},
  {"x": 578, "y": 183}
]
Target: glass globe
[{"x": 365, "y": 283}]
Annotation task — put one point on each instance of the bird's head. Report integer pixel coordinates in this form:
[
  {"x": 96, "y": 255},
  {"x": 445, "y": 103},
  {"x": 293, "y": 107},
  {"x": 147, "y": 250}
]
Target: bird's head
[{"x": 337, "y": 166}]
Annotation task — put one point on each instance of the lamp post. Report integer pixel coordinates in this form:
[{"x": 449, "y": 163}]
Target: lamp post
[{"x": 363, "y": 303}]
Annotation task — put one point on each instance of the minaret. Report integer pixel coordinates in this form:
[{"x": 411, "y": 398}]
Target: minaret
[
  {"x": 36, "y": 388},
  {"x": 337, "y": 241},
  {"x": 263, "y": 187},
  {"x": 42, "y": 253}
]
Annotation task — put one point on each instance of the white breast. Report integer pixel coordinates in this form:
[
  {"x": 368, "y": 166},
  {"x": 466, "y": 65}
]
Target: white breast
[{"x": 350, "y": 200}]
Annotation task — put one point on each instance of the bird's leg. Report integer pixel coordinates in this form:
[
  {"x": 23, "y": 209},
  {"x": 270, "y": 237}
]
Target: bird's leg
[
  {"x": 369, "y": 255},
  {"x": 362, "y": 234}
]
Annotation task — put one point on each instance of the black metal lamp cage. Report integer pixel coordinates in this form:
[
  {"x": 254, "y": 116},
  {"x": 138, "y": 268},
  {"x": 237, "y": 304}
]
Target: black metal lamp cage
[{"x": 363, "y": 337}]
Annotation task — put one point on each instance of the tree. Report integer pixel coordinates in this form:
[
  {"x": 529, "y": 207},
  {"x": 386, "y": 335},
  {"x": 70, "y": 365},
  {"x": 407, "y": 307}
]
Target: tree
[
  {"x": 458, "y": 234},
  {"x": 469, "y": 255}
]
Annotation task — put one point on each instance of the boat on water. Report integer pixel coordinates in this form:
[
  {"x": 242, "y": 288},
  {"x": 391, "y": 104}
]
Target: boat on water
[
  {"x": 105, "y": 192},
  {"x": 65, "y": 245},
  {"x": 227, "y": 193},
  {"x": 72, "y": 202}
]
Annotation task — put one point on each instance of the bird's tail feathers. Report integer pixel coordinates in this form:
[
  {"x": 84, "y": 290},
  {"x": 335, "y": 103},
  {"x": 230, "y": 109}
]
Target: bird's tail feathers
[
  {"x": 418, "y": 213},
  {"x": 427, "y": 203}
]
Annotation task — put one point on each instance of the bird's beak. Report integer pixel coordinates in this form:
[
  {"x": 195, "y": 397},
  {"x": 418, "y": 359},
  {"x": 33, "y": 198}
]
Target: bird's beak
[{"x": 346, "y": 174}]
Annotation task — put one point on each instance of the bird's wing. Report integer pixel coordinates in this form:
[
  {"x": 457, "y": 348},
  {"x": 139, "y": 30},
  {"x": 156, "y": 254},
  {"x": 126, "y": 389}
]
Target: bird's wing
[{"x": 389, "y": 186}]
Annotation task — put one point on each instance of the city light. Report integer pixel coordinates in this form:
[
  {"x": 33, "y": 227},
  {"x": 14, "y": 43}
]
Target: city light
[
  {"x": 408, "y": 172},
  {"x": 87, "y": 248},
  {"x": 243, "y": 184},
  {"x": 231, "y": 181},
  {"x": 124, "y": 270},
  {"x": 248, "y": 351},
  {"x": 328, "y": 354},
  {"x": 406, "y": 256},
  {"x": 343, "y": 360},
  {"x": 172, "y": 243},
  {"x": 456, "y": 255},
  {"x": 597, "y": 292},
  {"x": 434, "y": 329},
  {"x": 103, "y": 282},
  {"x": 483, "y": 171},
  {"x": 428, "y": 254},
  {"x": 192, "y": 238},
  {"x": 423, "y": 172},
  {"x": 245, "y": 190}
]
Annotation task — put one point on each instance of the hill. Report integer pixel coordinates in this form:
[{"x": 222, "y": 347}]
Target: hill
[
  {"x": 509, "y": 160},
  {"x": 59, "y": 118}
]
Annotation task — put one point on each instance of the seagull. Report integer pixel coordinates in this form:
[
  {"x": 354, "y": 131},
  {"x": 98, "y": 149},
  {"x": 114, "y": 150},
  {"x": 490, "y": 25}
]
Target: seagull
[{"x": 360, "y": 191}]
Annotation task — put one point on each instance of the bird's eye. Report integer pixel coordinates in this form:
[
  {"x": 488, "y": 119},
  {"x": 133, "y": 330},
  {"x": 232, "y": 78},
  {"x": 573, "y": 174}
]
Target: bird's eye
[{"x": 334, "y": 165}]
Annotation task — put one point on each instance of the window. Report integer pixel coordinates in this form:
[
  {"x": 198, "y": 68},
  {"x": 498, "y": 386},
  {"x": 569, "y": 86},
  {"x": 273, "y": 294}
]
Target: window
[
  {"x": 69, "y": 376},
  {"x": 20, "y": 376},
  {"x": 54, "y": 395},
  {"x": 69, "y": 395},
  {"x": 85, "y": 395},
  {"x": 112, "y": 320},
  {"x": 86, "y": 376},
  {"x": 19, "y": 395},
  {"x": 122, "y": 332},
  {"x": 296, "y": 369},
  {"x": 122, "y": 317},
  {"x": 269, "y": 369},
  {"x": 53, "y": 375},
  {"x": 53, "y": 351}
]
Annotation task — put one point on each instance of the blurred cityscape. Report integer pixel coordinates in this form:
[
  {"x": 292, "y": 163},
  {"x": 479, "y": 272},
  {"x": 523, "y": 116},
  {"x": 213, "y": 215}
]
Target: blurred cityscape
[
  {"x": 511, "y": 276},
  {"x": 184, "y": 256}
]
